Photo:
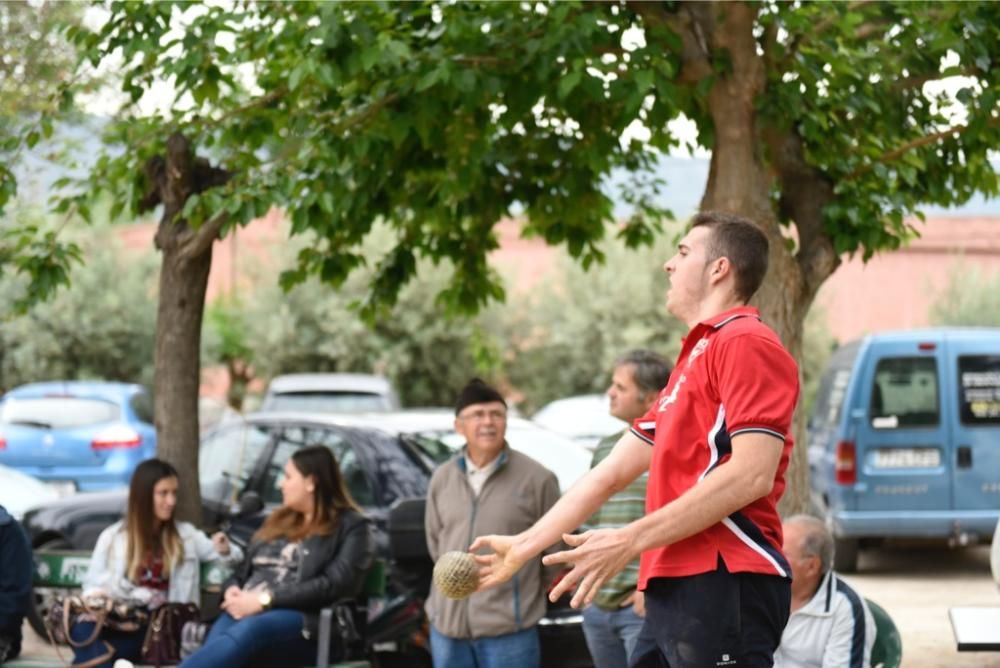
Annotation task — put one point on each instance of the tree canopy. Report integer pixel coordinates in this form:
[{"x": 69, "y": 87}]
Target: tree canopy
[
  {"x": 822, "y": 119},
  {"x": 442, "y": 118}
]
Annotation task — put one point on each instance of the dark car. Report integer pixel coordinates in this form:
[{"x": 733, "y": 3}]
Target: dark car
[{"x": 387, "y": 472}]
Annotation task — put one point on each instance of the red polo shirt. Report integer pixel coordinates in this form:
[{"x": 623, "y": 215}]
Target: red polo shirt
[{"x": 732, "y": 376}]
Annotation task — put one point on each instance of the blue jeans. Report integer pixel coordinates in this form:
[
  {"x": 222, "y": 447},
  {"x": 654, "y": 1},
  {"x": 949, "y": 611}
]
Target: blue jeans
[
  {"x": 270, "y": 638},
  {"x": 126, "y": 644},
  {"x": 611, "y": 635},
  {"x": 519, "y": 649}
]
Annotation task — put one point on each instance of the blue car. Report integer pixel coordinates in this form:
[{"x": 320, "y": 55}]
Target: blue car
[{"x": 77, "y": 435}]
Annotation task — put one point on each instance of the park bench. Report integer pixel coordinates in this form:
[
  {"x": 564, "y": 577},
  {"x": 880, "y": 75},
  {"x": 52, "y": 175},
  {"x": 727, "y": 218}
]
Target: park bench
[{"x": 63, "y": 570}]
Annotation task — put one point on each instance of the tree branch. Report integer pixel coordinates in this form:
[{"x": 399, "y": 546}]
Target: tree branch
[
  {"x": 261, "y": 101},
  {"x": 695, "y": 53},
  {"x": 820, "y": 28},
  {"x": 201, "y": 240},
  {"x": 805, "y": 190},
  {"x": 348, "y": 122},
  {"x": 899, "y": 151}
]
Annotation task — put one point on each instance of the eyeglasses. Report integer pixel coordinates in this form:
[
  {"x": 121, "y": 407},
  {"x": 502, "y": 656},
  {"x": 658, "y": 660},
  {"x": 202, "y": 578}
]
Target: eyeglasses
[{"x": 482, "y": 415}]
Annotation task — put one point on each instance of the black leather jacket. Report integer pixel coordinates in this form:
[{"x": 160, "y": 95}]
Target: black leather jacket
[{"x": 333, "y": 568}]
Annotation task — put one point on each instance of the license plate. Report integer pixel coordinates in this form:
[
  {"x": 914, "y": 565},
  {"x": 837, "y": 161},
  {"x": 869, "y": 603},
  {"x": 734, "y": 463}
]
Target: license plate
[
  {"x": 907, "y": 458},
  {"x": 63, "y": 487}
]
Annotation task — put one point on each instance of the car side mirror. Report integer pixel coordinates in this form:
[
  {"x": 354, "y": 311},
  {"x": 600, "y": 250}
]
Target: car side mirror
[{"x": 250, "y": 503}]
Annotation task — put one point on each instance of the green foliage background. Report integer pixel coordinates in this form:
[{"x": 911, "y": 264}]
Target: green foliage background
[
  {"x": 100, "y": 327},
  {"x": 550, "y": 340},
  {"x": 971, "y": 298}
]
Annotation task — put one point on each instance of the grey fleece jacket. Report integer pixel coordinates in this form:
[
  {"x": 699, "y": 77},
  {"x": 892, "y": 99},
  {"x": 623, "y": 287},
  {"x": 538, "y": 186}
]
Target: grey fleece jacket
[{"x": 518, "y": 492}]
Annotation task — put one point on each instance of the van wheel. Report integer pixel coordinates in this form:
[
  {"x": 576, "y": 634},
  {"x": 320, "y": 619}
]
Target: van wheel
[
  {"x": 42, "y": 599},
  {"x": 845, "y": 556}
]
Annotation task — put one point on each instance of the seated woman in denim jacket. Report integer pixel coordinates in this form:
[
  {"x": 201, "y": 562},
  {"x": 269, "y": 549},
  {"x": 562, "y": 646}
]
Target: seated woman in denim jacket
[
  {"x": 147, "y": 558},
  {"x": 311, "y": 552}
]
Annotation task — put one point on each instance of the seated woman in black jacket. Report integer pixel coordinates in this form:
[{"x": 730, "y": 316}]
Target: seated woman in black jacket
[{"x": 312, "y": 551}]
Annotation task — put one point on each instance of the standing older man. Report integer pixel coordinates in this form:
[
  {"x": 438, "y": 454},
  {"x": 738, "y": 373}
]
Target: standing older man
[
  {"x": 612, "y": 623},
  {"x": 830, "y": 625},
  {"x": 487, "y": 488}
]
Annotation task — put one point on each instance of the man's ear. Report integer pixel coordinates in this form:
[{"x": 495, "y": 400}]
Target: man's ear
[{"x": 719, "y": 270}]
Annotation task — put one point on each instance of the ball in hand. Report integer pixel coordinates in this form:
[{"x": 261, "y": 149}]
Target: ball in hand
[{"x": 456, "y": 574}]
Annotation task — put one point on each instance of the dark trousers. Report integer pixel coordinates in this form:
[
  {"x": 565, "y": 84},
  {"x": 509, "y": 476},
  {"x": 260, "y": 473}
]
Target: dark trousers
[
  {"x": 10, "y": 645},
  {"x": 718, "y": 619},
  {"x": 125, "y": 645}
]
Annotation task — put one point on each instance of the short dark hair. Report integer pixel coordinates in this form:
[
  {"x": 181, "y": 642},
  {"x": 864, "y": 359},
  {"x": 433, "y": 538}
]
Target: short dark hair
[
  {"x": 743, "y": 243},
  {"x": 650, "y": 370}
]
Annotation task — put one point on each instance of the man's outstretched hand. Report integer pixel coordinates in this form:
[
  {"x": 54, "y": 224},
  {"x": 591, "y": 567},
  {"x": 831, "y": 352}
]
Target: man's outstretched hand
[
  {"x": 499, "y": 566},
  {"x": 597, "y": 555}
]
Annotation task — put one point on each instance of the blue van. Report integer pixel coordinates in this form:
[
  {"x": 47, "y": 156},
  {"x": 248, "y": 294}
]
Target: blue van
[{"x": 904, "y": 439}]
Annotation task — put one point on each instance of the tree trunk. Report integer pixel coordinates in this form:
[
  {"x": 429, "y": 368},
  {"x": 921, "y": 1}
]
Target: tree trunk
[
  {"x": 187, "y": 258},
  {"x": 739, "y": 182},
  {"x": 183, "y": 283}
]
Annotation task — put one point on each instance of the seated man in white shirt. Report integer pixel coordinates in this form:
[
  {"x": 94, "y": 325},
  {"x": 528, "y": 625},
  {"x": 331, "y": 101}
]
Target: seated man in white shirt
[{"x": 830, "y": 624}]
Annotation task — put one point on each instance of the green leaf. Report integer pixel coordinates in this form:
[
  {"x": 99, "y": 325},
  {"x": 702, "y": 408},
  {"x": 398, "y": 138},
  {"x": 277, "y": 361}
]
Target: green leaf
[{"x": 570, "y": 81}]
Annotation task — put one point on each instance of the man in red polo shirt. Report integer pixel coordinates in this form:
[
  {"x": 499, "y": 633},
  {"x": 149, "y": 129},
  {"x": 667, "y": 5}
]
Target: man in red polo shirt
[{"x": 716, "y": 444}]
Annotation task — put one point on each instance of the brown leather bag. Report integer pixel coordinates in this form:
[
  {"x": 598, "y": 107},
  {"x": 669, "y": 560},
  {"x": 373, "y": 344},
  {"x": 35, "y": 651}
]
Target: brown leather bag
[
  {"x": 162, "y": 645},
  {"x": 102, "y": 611}
]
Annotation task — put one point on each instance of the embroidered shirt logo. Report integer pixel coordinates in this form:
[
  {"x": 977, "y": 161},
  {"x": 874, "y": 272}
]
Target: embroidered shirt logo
[
  {"x": 698, "y": 349},
  {"x": 726, "y": 660},
  {"x": 672, "y": 397}
]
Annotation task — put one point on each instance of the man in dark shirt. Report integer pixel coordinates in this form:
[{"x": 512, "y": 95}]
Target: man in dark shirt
[{"x": 15, "y": 584}]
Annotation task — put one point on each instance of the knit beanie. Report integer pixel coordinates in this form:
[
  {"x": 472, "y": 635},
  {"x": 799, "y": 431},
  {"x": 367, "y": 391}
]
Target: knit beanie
[{"x": 477, "y": 392}]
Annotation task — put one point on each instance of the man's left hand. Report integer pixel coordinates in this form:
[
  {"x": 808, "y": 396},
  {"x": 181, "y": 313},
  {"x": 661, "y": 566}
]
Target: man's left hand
[{"x": 598, "y": 555}]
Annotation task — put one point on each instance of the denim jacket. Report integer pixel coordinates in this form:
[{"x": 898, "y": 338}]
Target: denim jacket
[{"x": 107, "y": 566}]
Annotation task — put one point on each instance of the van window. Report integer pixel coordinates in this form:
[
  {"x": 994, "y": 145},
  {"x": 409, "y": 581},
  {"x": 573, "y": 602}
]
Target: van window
[
  {"x": 905, "y": 393},
  {"x": 979, "y": 378},
  {"x": 833, "y": 386}
]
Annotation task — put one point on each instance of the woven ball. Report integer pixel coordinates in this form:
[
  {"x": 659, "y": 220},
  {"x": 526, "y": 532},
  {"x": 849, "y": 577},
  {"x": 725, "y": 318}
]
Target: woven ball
[{"x": 456, "y": 574}]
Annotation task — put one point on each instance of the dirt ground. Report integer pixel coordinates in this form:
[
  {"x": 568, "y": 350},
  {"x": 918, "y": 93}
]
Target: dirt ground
[{"x": 916, "y": 584}]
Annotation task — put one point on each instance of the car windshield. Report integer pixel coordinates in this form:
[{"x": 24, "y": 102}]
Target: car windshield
[
  {"x": 326, "y": 402},
  {"x": 58, "y": 412},
  {"x": 227, "y": 457},
  {"x": 431, "y": 448}
]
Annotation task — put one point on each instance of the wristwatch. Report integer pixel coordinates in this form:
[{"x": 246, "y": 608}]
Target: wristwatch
[{"x": 264, "y": 598}]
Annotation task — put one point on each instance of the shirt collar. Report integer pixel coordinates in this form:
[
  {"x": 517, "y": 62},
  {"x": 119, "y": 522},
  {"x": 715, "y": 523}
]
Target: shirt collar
[
  {"x": 720, "y": 319},
  {"x": 466, "y": 464},
  {"x": 819, "y": 605}
]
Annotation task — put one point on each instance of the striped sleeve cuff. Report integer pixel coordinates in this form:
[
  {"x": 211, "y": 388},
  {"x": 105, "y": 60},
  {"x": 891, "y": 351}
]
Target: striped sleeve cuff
[
  {"x": 752, "y": 429},
  {"x": 644, "y": 435}
]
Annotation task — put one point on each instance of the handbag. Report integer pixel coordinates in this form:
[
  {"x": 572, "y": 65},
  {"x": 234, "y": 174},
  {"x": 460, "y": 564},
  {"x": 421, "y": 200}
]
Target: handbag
[
  {"x": 104, "y": 612},
  {"x": 162, "y": 644}
]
